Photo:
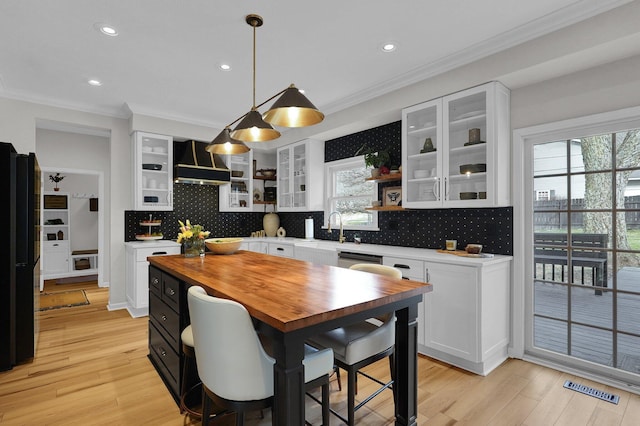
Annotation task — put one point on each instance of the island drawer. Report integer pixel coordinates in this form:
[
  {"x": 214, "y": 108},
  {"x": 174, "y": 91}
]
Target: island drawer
[
  {"x": 167, "y": 321},
  {"x": 171, "y": 292},
  {"x": 166, "y": 359},
  {"x": 155, "y": 281}
]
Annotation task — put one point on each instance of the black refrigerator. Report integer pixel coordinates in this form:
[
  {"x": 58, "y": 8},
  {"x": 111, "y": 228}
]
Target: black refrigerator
[{"x": 19, "y": 256}]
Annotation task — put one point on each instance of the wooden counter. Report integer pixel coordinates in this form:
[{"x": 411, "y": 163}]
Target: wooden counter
[{"x": 294, "y": 300}]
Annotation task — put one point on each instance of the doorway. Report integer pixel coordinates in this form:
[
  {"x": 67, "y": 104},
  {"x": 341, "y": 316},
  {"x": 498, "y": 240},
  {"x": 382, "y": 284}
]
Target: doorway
[
  {"x": 580, "y": 217},
  {"x": 86, "y": 225},
  {"x": 61, "y": 148}
]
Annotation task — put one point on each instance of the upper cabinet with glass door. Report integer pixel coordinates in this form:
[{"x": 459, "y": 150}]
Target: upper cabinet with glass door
[
  {"x": 299, "y": 172},
  {"x": 153, "y": 171},
  {"x": 238, "y": 195},
  {"x": 465, "y": 160}
]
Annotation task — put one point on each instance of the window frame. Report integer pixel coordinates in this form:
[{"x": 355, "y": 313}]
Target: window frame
[{"x": 330, "y": 168}]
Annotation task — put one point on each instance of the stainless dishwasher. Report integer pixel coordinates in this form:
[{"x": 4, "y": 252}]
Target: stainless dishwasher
[{"x": 347, "y": 258}]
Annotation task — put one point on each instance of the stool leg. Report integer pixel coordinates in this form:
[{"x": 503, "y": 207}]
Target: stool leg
[
  {"x": 206, "y": 408},
  {"x": 183, "y": 388}
]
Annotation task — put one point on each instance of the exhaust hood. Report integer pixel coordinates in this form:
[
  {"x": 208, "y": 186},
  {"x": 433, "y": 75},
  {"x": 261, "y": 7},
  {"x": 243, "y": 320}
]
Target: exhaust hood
[{"x": 195, "y": 165}]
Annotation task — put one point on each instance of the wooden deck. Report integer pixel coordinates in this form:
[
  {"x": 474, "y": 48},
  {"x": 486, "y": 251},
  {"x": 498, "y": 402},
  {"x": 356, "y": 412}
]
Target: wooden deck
[{"x": 592, "y": 318}]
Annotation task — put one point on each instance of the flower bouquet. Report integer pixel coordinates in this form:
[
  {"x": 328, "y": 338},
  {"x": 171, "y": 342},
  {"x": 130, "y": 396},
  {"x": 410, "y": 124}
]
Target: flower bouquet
[{"x": 192, "y": 238}]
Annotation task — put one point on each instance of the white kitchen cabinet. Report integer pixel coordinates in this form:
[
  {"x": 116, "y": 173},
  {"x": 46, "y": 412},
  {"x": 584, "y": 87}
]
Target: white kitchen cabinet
[
  {"x": 238, "y": 195},
  {"x": 466, "y": 316},
  {"x": 458, "y": 170},
  {"x": 317, "y": 255},
  {"x": 56, "y": 250},
  {"x": 283, "y": 249},
  {"x": 412, "y": 269},
  {"x": 256, "y": 246},
  {"x": 300, "y": 176},
  {"x": 152, "y": 171},
  {"x": 55, "y": 259},
  {"x": 137, "y": 271}
]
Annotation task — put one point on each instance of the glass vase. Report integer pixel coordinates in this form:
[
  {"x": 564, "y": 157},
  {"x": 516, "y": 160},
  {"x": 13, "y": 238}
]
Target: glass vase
[{"x": 193, "y": 248}]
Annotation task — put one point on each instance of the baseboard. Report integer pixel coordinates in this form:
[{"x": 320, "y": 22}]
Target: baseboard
[
  {"x": 116, "y": 306},
  {"x": 138, "y": 312}
]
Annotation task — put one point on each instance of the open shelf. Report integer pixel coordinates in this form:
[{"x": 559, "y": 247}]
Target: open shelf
[
  {"x": 386, "y": 178},
  {"x": 386, "y": 208}
]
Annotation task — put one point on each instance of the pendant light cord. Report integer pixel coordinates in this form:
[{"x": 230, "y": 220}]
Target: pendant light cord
[{"x": 254, "y": 66}]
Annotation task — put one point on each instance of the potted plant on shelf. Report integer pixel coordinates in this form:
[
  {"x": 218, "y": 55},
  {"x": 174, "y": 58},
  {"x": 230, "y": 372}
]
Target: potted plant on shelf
[
  {"x": 56, "y": 179},
  {"x": 376, "y": 159}
]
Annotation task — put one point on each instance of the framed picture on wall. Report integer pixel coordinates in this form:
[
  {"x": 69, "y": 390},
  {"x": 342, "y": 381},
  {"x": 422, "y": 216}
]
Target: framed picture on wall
[{"x": 392, "y": 196}]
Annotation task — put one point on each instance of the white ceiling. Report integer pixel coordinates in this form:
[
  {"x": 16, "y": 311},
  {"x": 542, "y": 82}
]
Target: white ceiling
[{"x": 165, "y": 60}]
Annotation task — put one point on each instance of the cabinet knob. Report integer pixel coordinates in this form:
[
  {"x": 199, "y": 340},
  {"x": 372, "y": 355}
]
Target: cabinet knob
[
  {"x": 164, "y": 317},
  {"x": 163, "y": 352},
  {"x": 156, "y": 281},
  {"x": 171, "y": 292}
]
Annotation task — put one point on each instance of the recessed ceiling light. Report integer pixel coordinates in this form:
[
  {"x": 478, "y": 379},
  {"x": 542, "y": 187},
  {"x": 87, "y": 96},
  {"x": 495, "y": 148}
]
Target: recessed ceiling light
[
  {"x": 106, "y": 29},
  {"x": 225, "y": 67},
  {"x": 94, "y": 82},
  {"x": 389, "y": 47}
]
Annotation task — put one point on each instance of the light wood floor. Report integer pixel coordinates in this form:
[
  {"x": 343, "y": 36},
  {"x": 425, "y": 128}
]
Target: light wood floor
[{"x": 91, "y": 368}]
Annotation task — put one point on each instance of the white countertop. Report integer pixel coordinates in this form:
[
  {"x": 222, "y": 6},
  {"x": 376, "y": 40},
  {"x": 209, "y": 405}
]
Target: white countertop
[
  {"x": 152, "y": 243},
  {"x": 384, "y": 250}
]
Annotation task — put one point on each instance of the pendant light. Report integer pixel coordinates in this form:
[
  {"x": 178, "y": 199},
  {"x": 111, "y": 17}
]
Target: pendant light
[
  {"x": 225, "y": 144},
  {"x": 253, "y": 128},
  {"x": 293, "y": 109}
]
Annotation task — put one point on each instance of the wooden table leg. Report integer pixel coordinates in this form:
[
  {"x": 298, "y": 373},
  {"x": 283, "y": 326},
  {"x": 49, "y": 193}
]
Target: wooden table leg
[{"x": 406, "y": 363}]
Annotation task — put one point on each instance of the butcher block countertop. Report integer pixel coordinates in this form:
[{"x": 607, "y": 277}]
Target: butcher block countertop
[{"x": 285, "y": 293}]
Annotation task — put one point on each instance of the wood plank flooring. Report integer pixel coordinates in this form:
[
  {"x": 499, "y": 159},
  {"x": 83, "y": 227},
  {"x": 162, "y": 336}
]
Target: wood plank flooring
[{"x": 91, "y": 368}]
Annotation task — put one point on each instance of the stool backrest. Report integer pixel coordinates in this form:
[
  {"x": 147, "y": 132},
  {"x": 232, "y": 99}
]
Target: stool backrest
[
  {"x": 231, "y": 361},
  {"x": 388, "y": 271}
]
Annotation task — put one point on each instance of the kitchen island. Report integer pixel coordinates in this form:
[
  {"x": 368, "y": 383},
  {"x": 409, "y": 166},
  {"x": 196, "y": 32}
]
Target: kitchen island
[{"x": 293, "y": 300}]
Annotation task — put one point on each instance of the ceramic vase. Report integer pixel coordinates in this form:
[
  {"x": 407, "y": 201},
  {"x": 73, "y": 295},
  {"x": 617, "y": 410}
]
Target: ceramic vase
[{"x": 270, "y": 224}]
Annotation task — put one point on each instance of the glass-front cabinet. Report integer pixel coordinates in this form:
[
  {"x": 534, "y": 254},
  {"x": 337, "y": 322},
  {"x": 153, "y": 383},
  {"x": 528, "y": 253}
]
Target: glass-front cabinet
[
  {"x": 456, "y": 150},
  {"x": 422, "y": 147},
  {"x": 299, "y": 173},
  {"x": 153, "y": 171},
  {"x": 238, "y": 195}
]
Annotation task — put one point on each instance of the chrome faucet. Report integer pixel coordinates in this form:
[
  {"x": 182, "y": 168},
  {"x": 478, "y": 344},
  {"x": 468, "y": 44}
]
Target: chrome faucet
[{"x": 341, "y": 238}]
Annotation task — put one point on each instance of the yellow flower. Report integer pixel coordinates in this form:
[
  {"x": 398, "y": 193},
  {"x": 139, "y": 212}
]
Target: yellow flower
[{"x": 190, "y": 232}]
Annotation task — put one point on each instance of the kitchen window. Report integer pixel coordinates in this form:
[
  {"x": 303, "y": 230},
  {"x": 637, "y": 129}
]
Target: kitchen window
[{"x": 349, "y": 193}]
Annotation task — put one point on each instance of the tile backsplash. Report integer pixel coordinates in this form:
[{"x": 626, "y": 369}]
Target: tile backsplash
[{"x": 492, "y": 227}]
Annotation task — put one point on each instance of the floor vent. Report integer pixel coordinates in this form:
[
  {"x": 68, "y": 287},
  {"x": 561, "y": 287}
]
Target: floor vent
[{"x": 592, "y": 392}]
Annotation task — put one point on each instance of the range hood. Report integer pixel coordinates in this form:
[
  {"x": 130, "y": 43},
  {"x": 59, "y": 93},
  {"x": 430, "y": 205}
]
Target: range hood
[{"x": 196, "y": 165}]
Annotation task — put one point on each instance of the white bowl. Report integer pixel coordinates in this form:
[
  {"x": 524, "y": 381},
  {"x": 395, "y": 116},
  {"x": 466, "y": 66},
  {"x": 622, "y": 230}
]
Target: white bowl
[
  {"x": 223, "y": 245},
  {"x": 147, "y": 149},
  {"x": 159, "y": 149},
  {"x": 419, "y": 174}
]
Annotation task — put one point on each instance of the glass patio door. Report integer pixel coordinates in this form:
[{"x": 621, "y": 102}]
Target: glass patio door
[{"x": 584, "y": 298}]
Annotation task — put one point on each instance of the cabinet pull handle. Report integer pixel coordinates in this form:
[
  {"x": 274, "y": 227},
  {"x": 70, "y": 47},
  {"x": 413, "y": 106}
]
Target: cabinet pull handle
[
  {"x": 157, "y": 253},
  {"x": 280, "y": 249},
  {"x": 401, "y": 266},
  {"x": 426, "y": 274},
  {"x": 164, "y": 317},
  {"x": 446, "y": 188}
]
